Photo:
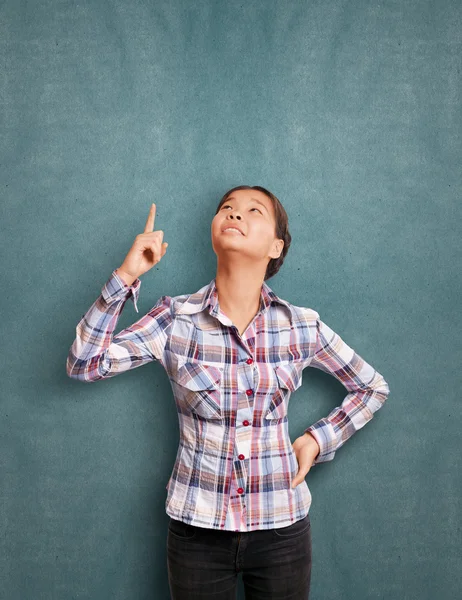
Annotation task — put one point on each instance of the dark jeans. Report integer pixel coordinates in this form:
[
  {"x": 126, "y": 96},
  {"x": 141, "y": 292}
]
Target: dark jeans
[{"x": 203, "y": 564}]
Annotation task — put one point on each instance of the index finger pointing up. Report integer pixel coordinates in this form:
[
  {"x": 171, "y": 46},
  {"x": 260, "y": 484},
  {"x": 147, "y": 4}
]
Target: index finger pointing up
[{"x": 150, "y": 220}]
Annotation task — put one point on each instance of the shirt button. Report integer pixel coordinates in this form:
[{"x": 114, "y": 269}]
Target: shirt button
[
  {"x": 249, "y": 361},
  {"x": 248, "y": 392},
  {"x": 240, "y": 490},
  {"x": 241, "y": 457},
  {"x": 246, "y": 422}
]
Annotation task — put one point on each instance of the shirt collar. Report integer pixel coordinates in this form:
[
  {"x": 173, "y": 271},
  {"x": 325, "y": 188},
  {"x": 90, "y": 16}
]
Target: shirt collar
[{"x": 207, "y": 298}]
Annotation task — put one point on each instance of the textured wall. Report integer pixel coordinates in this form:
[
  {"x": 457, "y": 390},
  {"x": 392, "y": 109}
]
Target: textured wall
[{"x": 350, "y": 112}]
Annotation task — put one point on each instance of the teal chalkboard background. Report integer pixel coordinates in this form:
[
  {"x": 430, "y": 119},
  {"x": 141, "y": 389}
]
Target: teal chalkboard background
[{"x": 350, "y": 112}]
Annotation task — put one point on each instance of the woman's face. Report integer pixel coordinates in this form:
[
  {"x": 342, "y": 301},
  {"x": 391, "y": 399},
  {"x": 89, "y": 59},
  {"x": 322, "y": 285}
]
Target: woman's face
[{"x": 251, "y": 212}]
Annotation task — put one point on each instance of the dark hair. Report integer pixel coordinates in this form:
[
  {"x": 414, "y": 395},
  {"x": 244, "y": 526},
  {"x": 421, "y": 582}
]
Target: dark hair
[{"x": 282, "y": 225}]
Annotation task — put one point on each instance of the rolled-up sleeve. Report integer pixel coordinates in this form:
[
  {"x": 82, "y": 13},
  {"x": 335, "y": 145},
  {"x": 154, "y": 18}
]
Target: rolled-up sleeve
[
  {"x": 96, "y": 353},
  {"x": 367, "y": 391}
]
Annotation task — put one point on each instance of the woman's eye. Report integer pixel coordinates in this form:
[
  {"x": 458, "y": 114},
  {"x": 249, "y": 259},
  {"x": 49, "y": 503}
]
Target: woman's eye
[{"x": 229, "y": 206}]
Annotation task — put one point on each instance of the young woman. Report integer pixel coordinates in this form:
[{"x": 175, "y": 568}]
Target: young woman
[{"x": 234, "y": 352}]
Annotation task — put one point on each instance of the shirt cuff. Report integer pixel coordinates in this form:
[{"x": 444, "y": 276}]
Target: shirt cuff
[
  {"x": 324, "y": 433},
  {"x": 115, "y": 289}
]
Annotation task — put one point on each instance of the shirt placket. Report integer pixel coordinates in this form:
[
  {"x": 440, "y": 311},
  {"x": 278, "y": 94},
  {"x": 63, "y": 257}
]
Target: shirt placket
[{"x": 237, "y": 511}]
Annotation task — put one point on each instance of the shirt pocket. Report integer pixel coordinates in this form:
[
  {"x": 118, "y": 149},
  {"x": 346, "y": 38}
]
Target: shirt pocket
[
  {"x": 202, "y": 392},
  {"x": 289, "y": 378}
]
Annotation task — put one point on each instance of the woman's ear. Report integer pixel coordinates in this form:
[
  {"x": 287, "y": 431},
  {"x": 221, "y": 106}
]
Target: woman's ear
[{"x": 277, "y": 248}]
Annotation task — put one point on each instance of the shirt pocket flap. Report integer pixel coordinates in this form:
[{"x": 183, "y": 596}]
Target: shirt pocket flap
[
  {"x": 204, "y": 383},
  {"x": 199, "y": 377},
  {"x": 289, "y": 379}
]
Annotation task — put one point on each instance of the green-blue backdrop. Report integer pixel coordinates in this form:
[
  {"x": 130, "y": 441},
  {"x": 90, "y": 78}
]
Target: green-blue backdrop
[{"x": 350, "y": 112}]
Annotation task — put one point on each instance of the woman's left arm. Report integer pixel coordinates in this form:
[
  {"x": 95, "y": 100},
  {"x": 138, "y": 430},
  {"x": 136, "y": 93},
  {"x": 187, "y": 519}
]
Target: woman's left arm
[{"x": 367, "y": 391}]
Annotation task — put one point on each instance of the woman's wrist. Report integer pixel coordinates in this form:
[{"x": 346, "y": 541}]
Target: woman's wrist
[
  {"x": 126, "y": 278},
  {"x": 312, "y": 438}
]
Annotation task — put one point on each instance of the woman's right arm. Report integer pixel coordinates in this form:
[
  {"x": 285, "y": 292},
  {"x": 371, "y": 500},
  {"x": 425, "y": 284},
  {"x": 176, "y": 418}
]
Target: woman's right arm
[{"x": 96, "y": 352}]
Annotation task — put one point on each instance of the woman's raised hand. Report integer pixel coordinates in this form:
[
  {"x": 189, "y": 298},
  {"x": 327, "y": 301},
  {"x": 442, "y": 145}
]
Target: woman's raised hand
[{"x": 147, "y": 250}]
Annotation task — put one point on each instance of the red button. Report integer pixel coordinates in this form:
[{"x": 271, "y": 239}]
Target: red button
[
  {"x": 241, "y": 457},
  {"x": 246, "y": 422},
  {"x": 240, "y": 490},
  {"x": 249, "y": 361},
  {"x": 248, "y": 392}
]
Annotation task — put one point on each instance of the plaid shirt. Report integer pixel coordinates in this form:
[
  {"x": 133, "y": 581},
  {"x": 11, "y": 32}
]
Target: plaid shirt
[{"x": 235, "y": 461}]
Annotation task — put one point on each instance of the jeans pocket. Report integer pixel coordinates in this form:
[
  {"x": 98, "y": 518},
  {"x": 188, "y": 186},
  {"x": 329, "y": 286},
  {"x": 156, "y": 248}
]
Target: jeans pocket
[
  {"x": 181, "y": 530},
  {"x": 294, "y": 530}
]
